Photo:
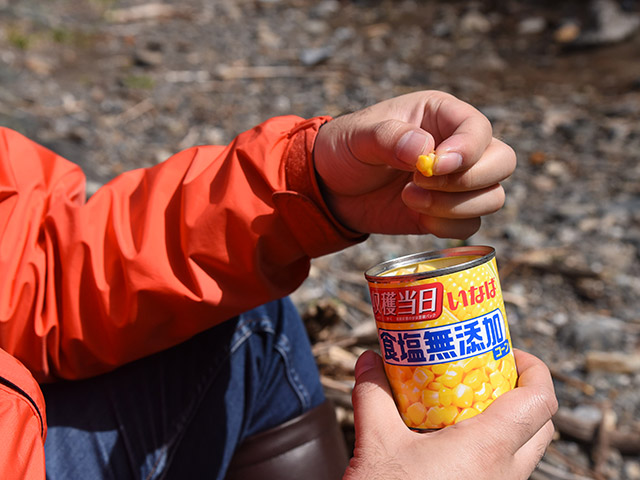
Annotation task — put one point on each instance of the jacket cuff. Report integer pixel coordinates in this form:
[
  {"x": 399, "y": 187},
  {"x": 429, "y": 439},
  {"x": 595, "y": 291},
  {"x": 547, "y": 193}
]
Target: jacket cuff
[{"x": 302, "y": 206}]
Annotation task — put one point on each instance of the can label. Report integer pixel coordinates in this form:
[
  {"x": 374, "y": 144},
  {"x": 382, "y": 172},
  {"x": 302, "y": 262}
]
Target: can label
[
  {"x": 450, "y": 343},
  {"x": 443, "y": 334}
]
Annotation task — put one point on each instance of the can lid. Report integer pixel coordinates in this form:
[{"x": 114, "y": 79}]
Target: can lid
[{"x": 484, "y": 253}]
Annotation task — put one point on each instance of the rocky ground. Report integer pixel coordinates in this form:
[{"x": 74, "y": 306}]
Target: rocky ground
[{"x": 115, "y": 85}]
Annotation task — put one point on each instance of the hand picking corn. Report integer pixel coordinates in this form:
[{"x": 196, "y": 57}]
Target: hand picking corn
[
  {"x": 425, "y": 164},
  {"x": 443, "y": 334}
]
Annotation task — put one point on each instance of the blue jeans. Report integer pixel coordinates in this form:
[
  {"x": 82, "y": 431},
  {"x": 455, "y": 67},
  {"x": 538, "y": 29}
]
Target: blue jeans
[{"x": 181, "y": 413}]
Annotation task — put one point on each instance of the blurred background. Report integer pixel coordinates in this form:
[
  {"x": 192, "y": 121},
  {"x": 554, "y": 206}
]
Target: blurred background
[{"x": 115, "y": 85}]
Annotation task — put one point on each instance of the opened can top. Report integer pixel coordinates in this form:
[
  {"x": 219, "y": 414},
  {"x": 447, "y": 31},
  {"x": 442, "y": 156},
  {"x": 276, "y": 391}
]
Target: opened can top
[{"x": 477, "y": 255}]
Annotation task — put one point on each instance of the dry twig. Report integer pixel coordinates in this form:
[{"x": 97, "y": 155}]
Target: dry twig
[
  {"x": 146, "y": 11},
  {"x": 586, "y": 430},
  {"x": 584, "y": 387}
]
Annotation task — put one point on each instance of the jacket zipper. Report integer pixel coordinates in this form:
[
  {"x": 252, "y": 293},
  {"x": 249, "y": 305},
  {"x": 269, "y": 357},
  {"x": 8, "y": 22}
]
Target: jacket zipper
[{"x": 17, "y": 389}]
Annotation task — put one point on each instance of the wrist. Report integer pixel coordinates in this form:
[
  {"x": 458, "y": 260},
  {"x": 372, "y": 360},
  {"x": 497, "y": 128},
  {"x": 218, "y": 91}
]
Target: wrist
[{"x": 302, "y": 205}]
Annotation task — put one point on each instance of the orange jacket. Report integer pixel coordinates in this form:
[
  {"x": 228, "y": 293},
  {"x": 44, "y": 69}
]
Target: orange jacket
[
  {"x": 23, "y": 427},
  {"x": 155, "y": 256}
]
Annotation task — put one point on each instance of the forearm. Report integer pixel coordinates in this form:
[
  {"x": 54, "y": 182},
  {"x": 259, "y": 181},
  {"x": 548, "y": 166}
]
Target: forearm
[{"x": 160, "y": 254}]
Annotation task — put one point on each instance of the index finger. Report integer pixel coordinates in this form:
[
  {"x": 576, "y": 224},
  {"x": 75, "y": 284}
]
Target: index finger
[{"x": 462, "y": 133}]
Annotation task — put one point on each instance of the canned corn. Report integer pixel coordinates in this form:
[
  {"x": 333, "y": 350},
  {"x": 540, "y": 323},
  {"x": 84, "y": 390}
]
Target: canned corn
[{"x": 443, "y": 334}]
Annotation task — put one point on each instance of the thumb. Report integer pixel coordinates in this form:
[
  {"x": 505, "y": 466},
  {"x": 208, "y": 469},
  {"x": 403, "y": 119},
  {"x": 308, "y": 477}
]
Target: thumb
[
  {"x": 373, "y": 405},
  {"x": 392, "y": 142}
]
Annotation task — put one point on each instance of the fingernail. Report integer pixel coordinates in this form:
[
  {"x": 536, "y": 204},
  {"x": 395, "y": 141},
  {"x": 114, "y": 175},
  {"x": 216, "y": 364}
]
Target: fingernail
[
  {"x": 366, "y": 362},
  {"x": 411, "y": 145},
  {"x": 447, "y": 163}
]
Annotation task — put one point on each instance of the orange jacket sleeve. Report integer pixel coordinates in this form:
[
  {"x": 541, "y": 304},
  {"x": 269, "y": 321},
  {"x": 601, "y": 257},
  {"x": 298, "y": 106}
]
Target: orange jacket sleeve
[{"x": 156, "y": 255}]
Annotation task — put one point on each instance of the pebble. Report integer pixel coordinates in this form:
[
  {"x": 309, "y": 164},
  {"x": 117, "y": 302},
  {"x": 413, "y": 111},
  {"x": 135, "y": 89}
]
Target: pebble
[
  {"x": 532, "y": 25},
  {"x": 594, "y": 332}
]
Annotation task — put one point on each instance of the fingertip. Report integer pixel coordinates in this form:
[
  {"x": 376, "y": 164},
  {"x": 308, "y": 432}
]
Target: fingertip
[
  {"x": 447, "y": 163},
  {"x": 411, "y": 145},
  {"x": 366, "y": 362},
  {"x": 370, "y": 376},
  {"x": 449, "y": 227}
]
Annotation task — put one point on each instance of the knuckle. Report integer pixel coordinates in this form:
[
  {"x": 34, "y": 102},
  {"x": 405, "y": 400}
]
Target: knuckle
[
  {"x": 552, "y": 404},
  {"x": 364, "y": 389},
  {"x": 547, "y": 401},
  {"x": 383, "y": 131}
]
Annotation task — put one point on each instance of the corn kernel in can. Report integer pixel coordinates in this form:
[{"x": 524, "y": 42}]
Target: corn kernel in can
[{"x": 443, "y": 334}]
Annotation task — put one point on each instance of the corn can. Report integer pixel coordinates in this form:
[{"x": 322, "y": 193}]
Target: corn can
[{"x": 443, "y": 334}]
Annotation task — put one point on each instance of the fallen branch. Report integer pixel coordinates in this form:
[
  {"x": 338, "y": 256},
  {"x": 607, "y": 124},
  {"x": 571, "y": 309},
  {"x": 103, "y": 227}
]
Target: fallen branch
[
  {"x": 602, "y": 447},
  {"x": 147, "y": 11},
  {"x": 586, "y": 430},
  {"x": 555, "y": 473},
  {"x": 130, "y": 114},
  {"x": 365, "y": 338},
  {"x": 356, "y": 302},
  {"x": 614, "y": 362},
  {"x": 236, "y": 72},
  {"x": 584, "y": 387}
]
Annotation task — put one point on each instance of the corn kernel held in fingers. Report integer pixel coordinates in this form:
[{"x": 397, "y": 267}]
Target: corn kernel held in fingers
[{"x": 425, "y": 164}]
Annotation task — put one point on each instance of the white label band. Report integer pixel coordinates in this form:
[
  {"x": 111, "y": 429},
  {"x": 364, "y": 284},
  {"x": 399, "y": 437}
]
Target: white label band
[{"x": 446, "y": 343}]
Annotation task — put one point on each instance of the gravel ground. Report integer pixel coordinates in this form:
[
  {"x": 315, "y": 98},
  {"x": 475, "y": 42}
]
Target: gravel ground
[{"x": 115, "y": 85}]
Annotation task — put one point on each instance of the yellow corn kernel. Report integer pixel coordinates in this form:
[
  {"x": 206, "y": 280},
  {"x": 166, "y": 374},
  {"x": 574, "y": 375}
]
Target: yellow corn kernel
[
  {"x": 435, "y": 416},
  {"x": 411, "y": 391},
  {"x": 439, "y": 368},
  {"x": 395, "y": 385},
  {"x": 483, "y": 375},
  {"x": 469, "y": 364},
  {"x": 466, "y": 413},
  {"x": 416, "y": 413},
  {"x": 430, "y": 398},
  {"x": 500, "y": 389},
  {"x": 483, "y": 393},
  {"x": 481, "y": 406},
  {"x": 426, "y": 267},
  {"x": 425, "y": 164},
  {"x": 513, "y": 371},
  {"x": 449, "y": 415},
  {"x": 473, "y": 379},
  {"x": 436, "y": 386},
  {"x": 395, "y": 372},
  {"x": 422, "y": 377},
  {"x": 496, "y": 379},
  {"x": 446, "y": 396},
  {"x": 402, "y": 401},
  {"x": 506, "y": 367},
  {"x": 392, "y": 372},
  {"x": 452, "y": 377},
  {"x": 462, "y": 396},
  {"x": 491, "y": 366},
  {"x": 403, "y": 271}
]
